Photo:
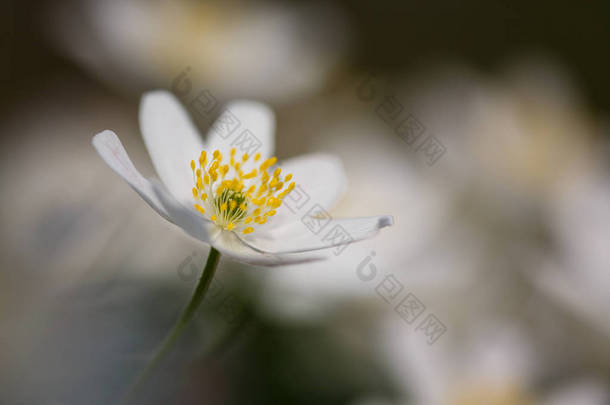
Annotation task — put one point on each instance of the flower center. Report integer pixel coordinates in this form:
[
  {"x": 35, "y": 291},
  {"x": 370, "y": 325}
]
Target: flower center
[{"x": 241, "y": 194}]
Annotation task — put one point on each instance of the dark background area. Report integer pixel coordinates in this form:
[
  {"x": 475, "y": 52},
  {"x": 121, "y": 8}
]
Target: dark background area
[{"x": 390, "y": 36}]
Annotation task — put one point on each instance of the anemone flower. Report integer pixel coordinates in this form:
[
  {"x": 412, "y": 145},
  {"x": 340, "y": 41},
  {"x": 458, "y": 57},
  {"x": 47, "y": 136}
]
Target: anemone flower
[{"x": 227, "y": 191}]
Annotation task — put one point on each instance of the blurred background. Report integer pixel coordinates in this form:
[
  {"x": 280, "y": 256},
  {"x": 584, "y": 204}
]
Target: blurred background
[{"x": 482, "y": 127}]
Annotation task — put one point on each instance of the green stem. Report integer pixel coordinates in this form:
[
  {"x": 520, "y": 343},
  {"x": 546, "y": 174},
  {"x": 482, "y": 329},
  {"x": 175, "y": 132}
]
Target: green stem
[{"x": 183, "y": 321}]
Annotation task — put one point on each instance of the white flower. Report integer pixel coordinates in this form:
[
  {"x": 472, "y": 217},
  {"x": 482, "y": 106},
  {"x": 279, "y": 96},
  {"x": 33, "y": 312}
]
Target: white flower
[{"x": 230, "y": 200}]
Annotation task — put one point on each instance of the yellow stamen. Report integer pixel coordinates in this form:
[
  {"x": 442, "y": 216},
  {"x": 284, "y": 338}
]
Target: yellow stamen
[
  {"x": 199, "y": 208},
  {"x": 237, "y": 197},
  {"x": 250, "y": 175},
  {"x": 268, "y": 163}
]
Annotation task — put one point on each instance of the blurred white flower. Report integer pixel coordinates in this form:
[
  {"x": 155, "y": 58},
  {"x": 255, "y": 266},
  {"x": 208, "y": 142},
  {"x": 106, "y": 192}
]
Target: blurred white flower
[
  {"x": 491, "y": 364},
  {"x": 510, "y": 139},
  {"x": 238, "y": 49},
  {"x": 576, "y": 276},
  {"x": 520, "y": 159},
  {"x": 223, "y": 204},
  {"x": 585, "y": 391}
]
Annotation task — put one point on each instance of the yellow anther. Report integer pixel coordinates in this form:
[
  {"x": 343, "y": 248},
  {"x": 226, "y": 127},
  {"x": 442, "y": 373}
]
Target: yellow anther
[
  {"x": 250, "y": 175},
  {"x": 271, "y": 213},
  {"x": 244, "y": 157},
  {"x": 264, "y": 177},
  {"x": 223, "y": 207},
  {"x": 242, "y": 206},
  {"x": 256, "y": 212},
  {"x": 206, "y": 178},
  {"x": 232, "y": 151},
  {"x": 223, "y": 170},
  {"x": 213, "y": 218},
  {"x": 199, "y": 208},
  {"x": 230, "y": 226},
  {"x": 233, "y": 204},
  {"x": 199, "y": 183},
  {"x": 204, "y": 196},
  {"x": 288, "y": 177},
  {"x": 248, "y": 220},
  {"x": 257, "y": 157},
  {"x": 192, "y": 165},
  {"x": 195, "y": 193},
  {"x": 248, "y": 230},
  {"x": 268, "y": 163},
  {"x": 277, "y": 172}
]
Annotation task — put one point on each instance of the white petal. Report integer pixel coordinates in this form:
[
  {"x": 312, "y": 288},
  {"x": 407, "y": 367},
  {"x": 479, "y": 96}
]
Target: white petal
[
  {"x": 171, "y": 139},
  {"x": 230, "y": 245},
  {"x": 247, "y": 126},
  {"x": 111, "y": 150},
  {"x": 311, "y": 234},
  {"x": 189, "y": 220},
  {"x": 320, "y": 180}
]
